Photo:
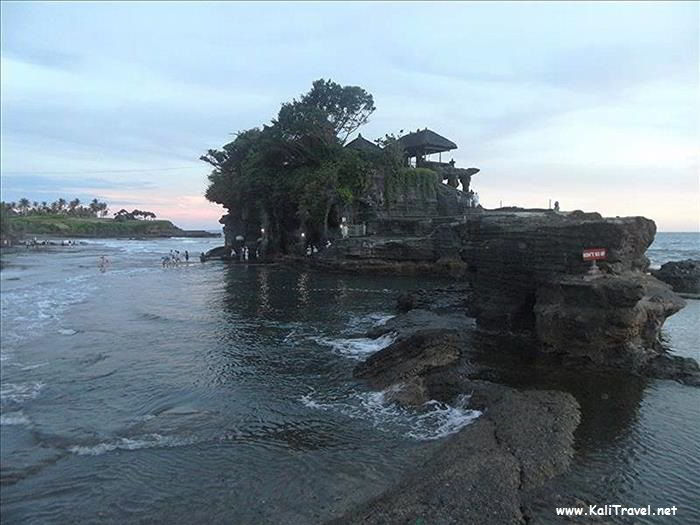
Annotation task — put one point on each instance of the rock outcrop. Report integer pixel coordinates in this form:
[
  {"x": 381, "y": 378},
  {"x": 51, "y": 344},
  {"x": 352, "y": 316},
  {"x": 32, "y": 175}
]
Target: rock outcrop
[
  {"x": 511, "y": 255},
  {"x": 478, "y": 476},
  {"x": 408, "y": 324},
  {"x": 527, "y": 277},
  {"x": 402, "y": 364},
  {"x": 612, "y": 320},
  {"x": 454, "y": 298},
  {"x": 683, "y": 276}
]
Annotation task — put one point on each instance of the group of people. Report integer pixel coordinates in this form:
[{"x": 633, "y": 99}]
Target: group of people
[
  {"x": 312, "y": 249},
  {"x": 174, "y": 258},
  {"x": 243, "y": 253}
]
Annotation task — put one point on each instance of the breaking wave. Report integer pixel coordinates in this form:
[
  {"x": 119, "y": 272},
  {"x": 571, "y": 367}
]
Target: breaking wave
[
  {"x": 14, "y": 418},
  {"x": 433, "y": 420},
  {"x": 21, "y": 392},
  {"x": 360, "y": 323},
  {"x": 147, "y": 441},
  {"x": 357, "y": 348}
]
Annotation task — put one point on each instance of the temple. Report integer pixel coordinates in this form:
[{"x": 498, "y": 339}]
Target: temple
[
  {"x": 362, "y": 144},
  {"x": 413, "y": 200},
  {"x": 431, "y": 191},
  {"x": 420, "y": 147}
]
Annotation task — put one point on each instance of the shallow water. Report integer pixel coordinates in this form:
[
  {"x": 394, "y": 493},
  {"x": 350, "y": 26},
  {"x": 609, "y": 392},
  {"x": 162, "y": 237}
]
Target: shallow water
[
  {"x": 201, "y": 392},
  {"x": 215, "y": 393}
]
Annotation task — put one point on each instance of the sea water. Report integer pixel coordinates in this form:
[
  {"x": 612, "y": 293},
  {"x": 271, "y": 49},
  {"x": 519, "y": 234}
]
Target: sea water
[{"x": 224, "y": 393}]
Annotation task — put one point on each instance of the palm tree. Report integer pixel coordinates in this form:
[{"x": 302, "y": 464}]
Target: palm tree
[
  {"x": 94, "y": 206},
  {"x": 24, "y": 205},
  {"x": 73, "y": 205},
  {"x": 61, "y": 204},
  {"x": 44, "y": 207}
]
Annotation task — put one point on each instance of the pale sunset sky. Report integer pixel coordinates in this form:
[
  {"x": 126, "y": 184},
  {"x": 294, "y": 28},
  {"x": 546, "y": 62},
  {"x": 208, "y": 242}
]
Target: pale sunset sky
[{"x": 593, "y": 104}]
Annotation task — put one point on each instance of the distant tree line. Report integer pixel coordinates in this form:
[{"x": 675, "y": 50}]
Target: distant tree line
[
  {"x": 123, "y": 215},
  {"x": 74, "y": 208},
  {"x": 24, "y": 207}
]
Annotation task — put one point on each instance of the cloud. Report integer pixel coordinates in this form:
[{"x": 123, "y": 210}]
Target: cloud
[
  {"x": 108, "y": 86},
  {"x": 49, "y": 58},
  {"x": 50, "y": 183}
]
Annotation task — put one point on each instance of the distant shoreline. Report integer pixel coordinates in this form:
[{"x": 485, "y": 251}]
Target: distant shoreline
[{"x": 50, "y": 227}]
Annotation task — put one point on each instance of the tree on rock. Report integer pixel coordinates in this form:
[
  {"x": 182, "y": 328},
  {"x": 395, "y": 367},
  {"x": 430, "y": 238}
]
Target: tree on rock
[{"x": 285, "y": 177}]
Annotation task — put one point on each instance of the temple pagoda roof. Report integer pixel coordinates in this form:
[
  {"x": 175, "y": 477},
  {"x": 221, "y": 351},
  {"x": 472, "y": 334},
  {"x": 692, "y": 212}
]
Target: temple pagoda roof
[
  {"x": 425, "y": 141},
  {"x": 362, "y": 144}
]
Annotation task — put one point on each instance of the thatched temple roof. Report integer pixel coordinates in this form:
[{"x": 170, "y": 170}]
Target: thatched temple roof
[
  {"x": 424, "y": 142},
  {"x": 362, "y": 144}
]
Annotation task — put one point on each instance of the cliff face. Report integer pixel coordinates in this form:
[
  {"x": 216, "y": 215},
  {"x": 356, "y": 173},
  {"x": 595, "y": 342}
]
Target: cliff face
[
  {"x": 511, "y": 255},
  {"x": 613, "y": 320},
  {"x": 528, "y": 277}
]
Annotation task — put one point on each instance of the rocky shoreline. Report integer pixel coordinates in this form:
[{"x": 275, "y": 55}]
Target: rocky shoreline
[
  {"x": 523, "y": 305},
  {"x": 481, "y": 474},
  {"x": 491, "y": 471}
]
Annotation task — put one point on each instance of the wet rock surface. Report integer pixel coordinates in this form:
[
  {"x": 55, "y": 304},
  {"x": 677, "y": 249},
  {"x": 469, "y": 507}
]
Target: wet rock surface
[
  {"x": 417, "y": 320},
  {"x": 682, "y": 369},
  {"x": 494, "y": 470},
  {"x": 479, "y": 475},
  {"x": 523, "y": 273},
  {"x": 683, "y": 276},
  {"x": 410, "y": 357},
  {"x": 610, "y": 320},
  {"x": 453, "y": 298},
  {"x": 526, "y": 284}
]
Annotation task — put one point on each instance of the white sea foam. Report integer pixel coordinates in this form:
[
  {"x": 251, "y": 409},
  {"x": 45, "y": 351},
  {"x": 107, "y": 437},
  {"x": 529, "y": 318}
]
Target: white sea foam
[
  {"x": 21, "y": 392},
  {"x": 434, "y": 420},
  {"x": 28, "y": 311},
  {"x": 32, "y": 367},
  {"x": 441, "y": 420},
  {"x": 360, "y": 323},
  {"x": 67, "y": 331},
  {"x": 147, "y": 441},
  {"x": 14, "y": 418},
  {"x": 357, "y": 348}
]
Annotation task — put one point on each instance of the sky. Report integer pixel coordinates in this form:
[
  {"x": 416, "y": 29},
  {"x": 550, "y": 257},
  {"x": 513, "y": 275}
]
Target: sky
[{"x": 593, "y": 104}]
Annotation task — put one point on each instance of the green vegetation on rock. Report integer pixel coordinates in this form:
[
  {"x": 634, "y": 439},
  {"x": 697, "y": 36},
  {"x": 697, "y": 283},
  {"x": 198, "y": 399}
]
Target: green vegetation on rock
[
  {"x": 73, "y": 219},
  {"x": 87, "y": 226},
  {"x": 420, "y": 183},
  {"x": 294, "y": 175}
]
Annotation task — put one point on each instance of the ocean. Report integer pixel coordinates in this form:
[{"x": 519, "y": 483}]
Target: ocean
[{"x": 224, "y": 394}]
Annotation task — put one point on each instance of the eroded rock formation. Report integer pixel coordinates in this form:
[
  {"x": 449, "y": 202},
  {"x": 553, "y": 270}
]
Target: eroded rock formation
[
  {"x": 527, "y": 277},
  {"x": 478, "y": 476},
  {"x": 613, "y": 320},
  {"x": 683, "y": 276}
]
